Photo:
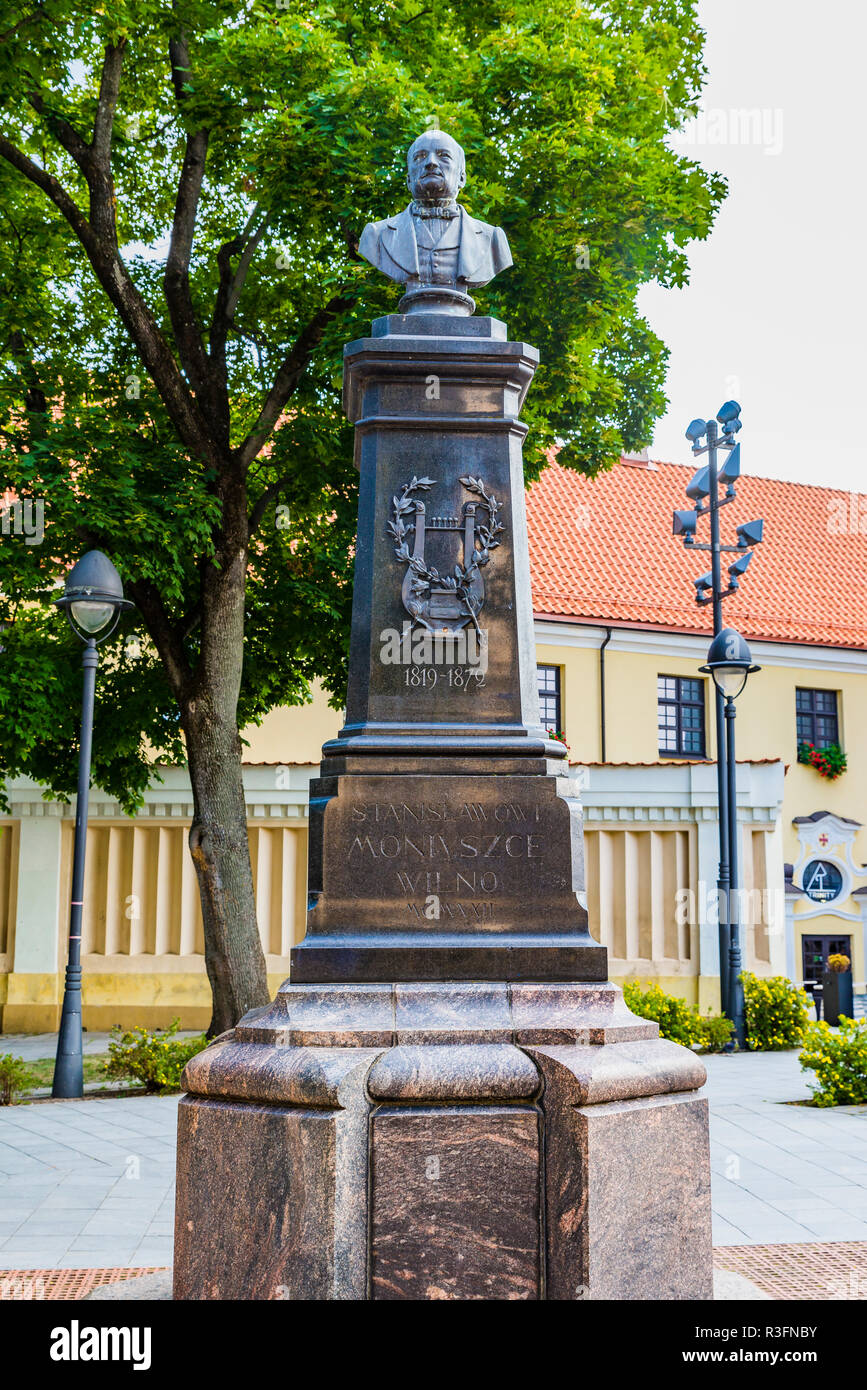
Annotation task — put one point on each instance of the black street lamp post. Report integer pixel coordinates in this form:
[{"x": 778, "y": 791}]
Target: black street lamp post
[
  {"x": 729, "y": 663},
  {"x": 703, "y": 492},
  {"x": 93, "y": 600}
]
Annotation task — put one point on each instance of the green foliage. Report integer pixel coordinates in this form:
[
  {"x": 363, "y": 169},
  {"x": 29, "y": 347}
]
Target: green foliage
[
  {"x": 565, "y": 112},
  {"x": 158, "y": 1059},
  {"x": 829, "y": 762},
  {"x": 776, "y": 1012},
  {"x": 838, "y": 1056},
  {"x": 716, "y": 1031},
  {"x": 14, "y": 1077},
  {"x": 677, "y": 1020}
]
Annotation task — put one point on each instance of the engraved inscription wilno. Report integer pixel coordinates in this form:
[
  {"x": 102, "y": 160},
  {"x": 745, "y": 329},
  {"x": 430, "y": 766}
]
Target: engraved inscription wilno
[{"x": 450, "y": 862}]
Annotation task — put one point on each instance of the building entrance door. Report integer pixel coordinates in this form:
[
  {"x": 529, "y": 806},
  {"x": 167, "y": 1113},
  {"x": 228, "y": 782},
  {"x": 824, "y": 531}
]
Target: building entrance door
[{"x": 816, "y": 950}]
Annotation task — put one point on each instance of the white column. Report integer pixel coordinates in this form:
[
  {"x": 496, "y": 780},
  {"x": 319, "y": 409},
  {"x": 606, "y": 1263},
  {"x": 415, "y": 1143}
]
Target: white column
[
  {"x": 38, "y": 908},
  {"x": 779, "y": 926},
  {"x": 708, "y": 868},
  {"x": 791, "y": 900}
]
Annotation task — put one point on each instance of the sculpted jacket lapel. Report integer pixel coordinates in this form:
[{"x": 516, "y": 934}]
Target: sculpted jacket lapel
[
  {"x": 398, "y": 240},
  {"x": 473, "y": 248}
]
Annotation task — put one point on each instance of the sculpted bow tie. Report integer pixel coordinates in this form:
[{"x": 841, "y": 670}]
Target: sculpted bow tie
[{"x": 442, "y": 212}]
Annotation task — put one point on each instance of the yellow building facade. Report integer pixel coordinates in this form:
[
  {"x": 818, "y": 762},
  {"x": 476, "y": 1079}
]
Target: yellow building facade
[{"x": 609, "y": 683}]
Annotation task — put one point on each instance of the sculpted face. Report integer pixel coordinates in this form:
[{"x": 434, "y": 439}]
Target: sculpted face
[{"x": 435, "y": 167}]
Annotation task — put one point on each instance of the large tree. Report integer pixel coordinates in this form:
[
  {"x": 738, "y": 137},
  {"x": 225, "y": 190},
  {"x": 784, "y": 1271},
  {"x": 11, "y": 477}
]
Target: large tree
[{"x": 182, "y": 188}]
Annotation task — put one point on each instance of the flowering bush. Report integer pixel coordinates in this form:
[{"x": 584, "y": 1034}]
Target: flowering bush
[
  {"x": 829, "y": 762},
  {"x": 157, "y": 1059},
  {"x": 776, "y": 1013},
  {"x": 839, "y": 1059},
  {"x": 677, "y": 1020},
  {"x": 838, "y": 962}
]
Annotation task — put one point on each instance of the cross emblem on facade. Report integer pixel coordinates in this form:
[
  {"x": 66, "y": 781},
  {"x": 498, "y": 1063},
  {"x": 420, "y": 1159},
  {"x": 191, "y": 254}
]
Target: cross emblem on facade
[{"x": 823, "y": 839}]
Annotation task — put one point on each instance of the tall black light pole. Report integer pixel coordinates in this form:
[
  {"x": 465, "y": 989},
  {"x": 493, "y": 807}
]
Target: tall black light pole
[
  {"x": 703, "y": 492},
  {"x": 729, "y": 662},
  {"x": 93, "y": 600}
]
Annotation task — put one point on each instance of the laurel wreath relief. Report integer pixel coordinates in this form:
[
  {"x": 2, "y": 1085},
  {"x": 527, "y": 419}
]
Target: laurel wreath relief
[{"x": 460, "y": 580}]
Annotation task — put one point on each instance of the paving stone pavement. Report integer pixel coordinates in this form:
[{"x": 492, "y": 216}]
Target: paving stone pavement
[
  {"x": 91, "y": 1182},
  {"x": 782, "y": 1173},
  {"x": 87, "y": 1183}
]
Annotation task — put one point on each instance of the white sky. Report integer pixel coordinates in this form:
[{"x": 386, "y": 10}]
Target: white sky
[{"x": 774, "y": 314}]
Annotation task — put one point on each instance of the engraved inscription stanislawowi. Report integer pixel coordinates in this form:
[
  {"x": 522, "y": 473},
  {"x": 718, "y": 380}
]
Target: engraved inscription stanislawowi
[{"x": 436, "y": 600}]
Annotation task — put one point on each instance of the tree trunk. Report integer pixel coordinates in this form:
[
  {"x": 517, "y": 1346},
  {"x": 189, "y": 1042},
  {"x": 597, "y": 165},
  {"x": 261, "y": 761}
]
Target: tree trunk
[
  {"x": 221, "y": 853},
  {"x": 218, "y": 835}
]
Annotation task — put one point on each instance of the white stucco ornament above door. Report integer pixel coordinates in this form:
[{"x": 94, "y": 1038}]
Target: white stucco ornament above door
[{"x": 826, "y": 870}]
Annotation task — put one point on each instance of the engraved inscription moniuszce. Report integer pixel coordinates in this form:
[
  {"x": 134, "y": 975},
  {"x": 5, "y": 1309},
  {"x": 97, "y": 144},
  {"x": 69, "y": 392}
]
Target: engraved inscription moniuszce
[{"x": 448, "y": 862}]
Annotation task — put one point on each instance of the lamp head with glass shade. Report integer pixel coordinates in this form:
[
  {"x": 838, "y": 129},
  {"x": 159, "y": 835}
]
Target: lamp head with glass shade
[
  {"x": 729, "y": 662},
  {"x": 93, "y": 597}
]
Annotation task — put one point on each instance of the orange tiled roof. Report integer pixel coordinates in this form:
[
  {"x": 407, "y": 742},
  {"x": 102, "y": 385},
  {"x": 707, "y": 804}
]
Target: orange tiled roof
[{"x": 601, "y": 549}]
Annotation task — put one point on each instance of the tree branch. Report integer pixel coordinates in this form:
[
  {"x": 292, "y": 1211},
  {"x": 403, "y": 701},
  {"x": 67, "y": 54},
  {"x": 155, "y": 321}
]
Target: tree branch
[
  {"x": 187, "y": 328},
  {"x": 131, "y": 307},
  {"x": 168, "y": 643},
  {"x": 176, "y": 281},
  {"x": 288, "y": 375},
  {"x": 230, "y": 286},
  {"x": 271, "y": 493},
  {"x": 52, "y": 188},
  {"x": 244, "y": 263},
  {"x": 109, "y": 91},
  {"x": 71, "y": 140}
]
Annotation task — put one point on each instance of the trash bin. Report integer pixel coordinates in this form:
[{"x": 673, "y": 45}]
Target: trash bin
[{"x": 837, "y": 994}]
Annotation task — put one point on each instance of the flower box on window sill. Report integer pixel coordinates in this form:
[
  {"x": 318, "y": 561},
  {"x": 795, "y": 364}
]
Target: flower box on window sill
[{"x": 829, "y": 762}]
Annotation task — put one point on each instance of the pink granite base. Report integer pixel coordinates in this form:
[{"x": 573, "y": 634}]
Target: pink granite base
[{"x": 462, "y": 1142}]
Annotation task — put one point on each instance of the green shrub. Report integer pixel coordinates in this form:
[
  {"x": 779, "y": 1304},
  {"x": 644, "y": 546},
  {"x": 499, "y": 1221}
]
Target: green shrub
[
  {"x": 717, "y": 1030},
  {"x": 677, "y": 1020},
  {"x": 776, "y": 1013},
  {"x": 157, "y": 1059},
  {"x": 839, "y": 1059},
  {"x": 14, "y": 1076}
]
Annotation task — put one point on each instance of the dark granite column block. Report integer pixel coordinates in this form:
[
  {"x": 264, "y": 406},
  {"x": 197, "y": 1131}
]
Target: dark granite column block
[
  {"x": 467, "y": 425},
  {"x": 272, "y": 1188},
  {"x": 627, "y": 1188},
  {"x": 647, "y": 1231},
  {"x": 446, "y": 877},
  {"x": 455, "y": 1204},
  {"x": 275, "y": 1166}
]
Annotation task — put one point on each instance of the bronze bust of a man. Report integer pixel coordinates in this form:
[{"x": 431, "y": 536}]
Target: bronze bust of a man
[{"x": 434, "y": 247}]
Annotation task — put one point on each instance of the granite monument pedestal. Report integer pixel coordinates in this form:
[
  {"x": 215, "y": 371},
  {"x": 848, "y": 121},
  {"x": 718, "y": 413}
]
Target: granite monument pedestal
[{"x": 447, "y": 1099}]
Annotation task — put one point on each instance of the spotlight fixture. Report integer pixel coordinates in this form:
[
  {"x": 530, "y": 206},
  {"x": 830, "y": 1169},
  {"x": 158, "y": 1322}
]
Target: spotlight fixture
[
  {"x": 750, "y": 533},
  {"x": 699, "y": 485},
  {"x": 731, "y": 469},
  {"x": 729, "y": 417},
  {"x": 695, "y": 429},
  {"x": 683, "y": 524},
  {"x": 737, "y": 569}
]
